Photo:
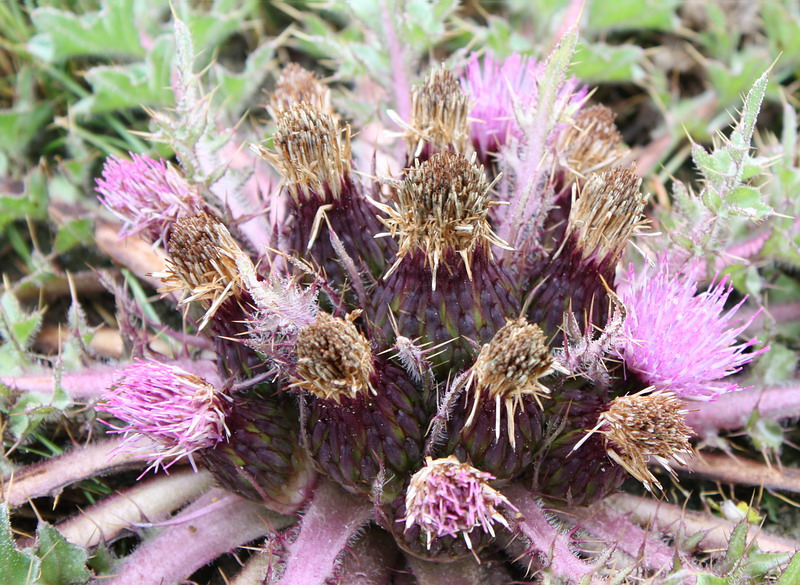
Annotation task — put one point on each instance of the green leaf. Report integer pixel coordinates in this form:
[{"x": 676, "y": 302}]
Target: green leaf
[
  {"x": 109, "y": 32},
  {"x": 599, "y": 62},
  {"x": 116, "y": 87},
  {"x": 791, "y": 574},
  {"x": 73, "y": 233},
  {"x": 62, "y": 563},
  {"x": 633, "y": 14},
  {"x": 776, "y": 366},
  {"x": 708, "y": 579},
  {"x": 737, "y": 548},
  {"x": 17, "y": 325},
  {"x": 759, "y": 564},
  {"x": 747, "y": 202},
  {"x": 16, "y": 568}
]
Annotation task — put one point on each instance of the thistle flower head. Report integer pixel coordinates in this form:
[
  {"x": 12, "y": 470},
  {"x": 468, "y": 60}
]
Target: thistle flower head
[
  {"x": 147, "y": 195},
  {"x": 283, "y": 308},
  {"x": 443, "y": 205},
  {"x": 179, "y": 412},
  {"x": 206, "y": 261},
  {"x": 496, "y": 88},
  {"x": 333, "y": 359},
  {"x": 681, "y": 340},
  {"x": 439, "y": 111},
  {"x": 591, "y": 143},
  {"x": 606, "y": 214},
  {"x": 312, "y": 152},
  {"x": 448, "y": 498},
  {"x": 295, "y": 85},
  {"x": 649, "y": 424},
  {"x": 509, "y": 367}
]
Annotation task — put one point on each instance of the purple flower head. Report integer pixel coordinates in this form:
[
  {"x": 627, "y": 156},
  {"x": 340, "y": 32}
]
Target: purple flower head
[
  {"x": 147, "y": 195},
  {"x": 167, "y": 410},
  {"x": 680, "y": 340},
  {"x": 494, "y": 87},
  {"x": 448, "y": 498}
]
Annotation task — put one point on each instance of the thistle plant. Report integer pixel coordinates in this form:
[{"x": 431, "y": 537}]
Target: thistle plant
[{"x": 450, "y": 368}]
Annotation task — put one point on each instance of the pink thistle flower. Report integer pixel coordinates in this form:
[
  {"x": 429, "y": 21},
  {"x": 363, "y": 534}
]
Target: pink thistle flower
[
  {"x": 495, "y": 87},
  {"x": 680, "y": 340},
  {"x": 165, "y": 409},
  {"x": 147, "y": 195},
  {"x": 448, "y": 498}
]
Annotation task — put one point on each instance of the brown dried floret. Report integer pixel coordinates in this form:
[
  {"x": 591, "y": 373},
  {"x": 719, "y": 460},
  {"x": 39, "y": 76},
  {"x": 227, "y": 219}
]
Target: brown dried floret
[
  {"x": 333, "y": 359},
  {"x": 607, "y": 212},
  {"x": 439, "y": 114},
  {"x": 509, "y": 367},
  {"x": 205, "y": 260},
  {"x": 591, "y": 143},
  {"x": 645, "y": 425},
  {"x": 442, "y": 205}
]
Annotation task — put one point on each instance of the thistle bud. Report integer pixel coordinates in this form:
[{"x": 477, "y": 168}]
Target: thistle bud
[
  {"x": 364, "y": 417},
  {"x": 601, "y": 222},
  {"x": 312, "y": 154}
]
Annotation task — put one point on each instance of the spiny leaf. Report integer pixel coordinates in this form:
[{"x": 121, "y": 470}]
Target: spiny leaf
[
  {"x": 17, "y": 567},
  {"x": 62, "y": 563}
]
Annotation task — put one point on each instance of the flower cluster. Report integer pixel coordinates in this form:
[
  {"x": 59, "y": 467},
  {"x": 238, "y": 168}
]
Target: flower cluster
[{"x": 414, "y": 345}]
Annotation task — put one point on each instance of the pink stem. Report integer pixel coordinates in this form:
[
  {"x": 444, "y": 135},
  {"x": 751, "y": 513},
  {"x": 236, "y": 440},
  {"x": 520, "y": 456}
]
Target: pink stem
[
  {"x": 328, "y": 525},
  {"x": 51, "y": 476},
  {"x": 180, "y": 549},
  {"x": 147, "y": 501},
  {"x": 732, "y": 410},
  {"x": 618, "y": 531},
  {"x": 370, "y": 560},
  {"x": 90, "y": 383},
  {"x": 545, "y": 539},
  {"x": 674, "y": 519},
  {"x": 397, "y": 55}
]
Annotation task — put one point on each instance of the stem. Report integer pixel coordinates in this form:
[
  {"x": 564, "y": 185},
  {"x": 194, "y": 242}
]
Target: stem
[
  {"x": 180, "y": 549},
  {"x": 369, "y": 561},
  {"x": 732, "y": 410},
  {"x": 89, "y": 384},
  {"x": 53, "y": 475},
  {"x": 328, "y": 525},
  {"x": 546, "y": 540},
  {"x": 614, "y": 529},
  {"x": 147, "y": 501},
  {"x": 397, "y": 55},
  {"x": 674, "y": 519},
  {"x": 740, "y": 471}
]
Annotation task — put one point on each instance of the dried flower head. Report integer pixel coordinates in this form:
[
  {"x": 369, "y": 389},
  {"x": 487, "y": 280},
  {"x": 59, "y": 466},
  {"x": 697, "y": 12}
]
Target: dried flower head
[
  {"x": 448, "y": 498},
  {"x": 508, "y": 368},
  {"x": 177, "y": 411},
  {"x": 294, "y": 85},
  {"x": 333, "y": 359},
  {"x": 147, "y": 195},
  {"x": 439, "y": 111},
  {"x": 645, "y": 425},
  {"x": 606, "y": 214},
  {"x": 591, "y": 143},
  {"x": 206, "y": 261},
  {"x": 312, "y": 152},
  {"x": 682, "y": 340},
  {"x": 443, "y": 205}
]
